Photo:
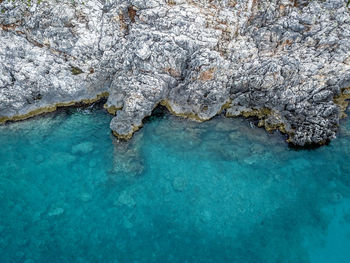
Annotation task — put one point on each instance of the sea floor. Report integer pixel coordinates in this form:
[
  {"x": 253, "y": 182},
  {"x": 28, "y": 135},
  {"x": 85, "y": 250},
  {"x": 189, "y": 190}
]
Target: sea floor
[{"x": 179, "y": 191}]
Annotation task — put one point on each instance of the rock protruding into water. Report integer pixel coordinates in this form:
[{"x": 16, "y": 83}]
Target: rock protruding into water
[{"x": 285, "y": 62}]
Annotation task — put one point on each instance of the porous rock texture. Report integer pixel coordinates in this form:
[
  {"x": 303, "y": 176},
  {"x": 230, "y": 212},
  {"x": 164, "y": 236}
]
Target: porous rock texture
[{"x": 284, "y": 61}]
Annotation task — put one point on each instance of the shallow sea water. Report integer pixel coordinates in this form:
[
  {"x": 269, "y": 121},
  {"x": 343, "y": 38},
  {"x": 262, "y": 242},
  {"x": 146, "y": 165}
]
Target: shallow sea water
[{"x": 179, "y": 191}]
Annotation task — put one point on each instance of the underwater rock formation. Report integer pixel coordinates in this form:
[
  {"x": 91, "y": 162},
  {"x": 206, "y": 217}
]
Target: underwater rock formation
[{"x": 285, "y": 61}]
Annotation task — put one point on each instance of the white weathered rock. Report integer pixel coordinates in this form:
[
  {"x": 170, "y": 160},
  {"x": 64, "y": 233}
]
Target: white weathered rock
[
  {"x": 197, "y": 57},
  {"x": 144, "y": 52}
]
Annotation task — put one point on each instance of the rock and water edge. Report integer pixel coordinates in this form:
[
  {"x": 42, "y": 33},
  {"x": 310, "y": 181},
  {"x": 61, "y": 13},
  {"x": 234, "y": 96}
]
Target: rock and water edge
[
  {"x": 286, "y": 62},
  {"x": 183, "y": 189}
]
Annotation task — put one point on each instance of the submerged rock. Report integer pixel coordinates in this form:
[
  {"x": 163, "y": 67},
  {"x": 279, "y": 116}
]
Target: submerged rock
[
  {"x": 63, "y": 158},
  {"x": 56, "y": 211},
  {"x": 39, "y": 159},
  {"x": 179, "y": 184},
  {"x": 85, "y": 147},
  {"x": 126, "y": 199},
  {"x": 286, "y": 62},
  {"x": 85, "y": 197}
]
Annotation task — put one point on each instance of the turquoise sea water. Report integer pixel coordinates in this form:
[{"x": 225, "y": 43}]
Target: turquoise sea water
[{"x": 179, "y": 191}]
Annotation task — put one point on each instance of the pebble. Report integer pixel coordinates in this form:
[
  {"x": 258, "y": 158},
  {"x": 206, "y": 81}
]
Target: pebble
[
  {"x": 56, "y": 211},
  {"x": 205, "y": 216},
  {"x": 39, "y": 159},
  {"x": 85, "y": 197},
  {"x": 179, "y": 184},
  {"x": 126, "y": 199}
]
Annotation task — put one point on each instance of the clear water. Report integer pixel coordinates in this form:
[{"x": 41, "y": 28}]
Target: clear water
[{"x": 179, "y": 191}]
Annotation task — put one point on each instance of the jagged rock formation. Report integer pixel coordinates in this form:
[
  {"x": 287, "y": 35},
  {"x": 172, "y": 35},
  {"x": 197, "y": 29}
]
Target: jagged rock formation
[{"x": 286, "y": 62}]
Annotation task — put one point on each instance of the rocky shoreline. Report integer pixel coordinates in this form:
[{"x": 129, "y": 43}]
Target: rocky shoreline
[{"x": 285, "y": 62}]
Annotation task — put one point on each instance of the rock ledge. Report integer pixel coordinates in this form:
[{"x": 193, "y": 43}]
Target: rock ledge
[{"x": 286, "y": 62}]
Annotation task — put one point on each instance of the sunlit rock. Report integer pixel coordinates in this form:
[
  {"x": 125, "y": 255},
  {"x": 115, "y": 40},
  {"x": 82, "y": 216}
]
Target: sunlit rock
[{"x": 284, "y": 62}]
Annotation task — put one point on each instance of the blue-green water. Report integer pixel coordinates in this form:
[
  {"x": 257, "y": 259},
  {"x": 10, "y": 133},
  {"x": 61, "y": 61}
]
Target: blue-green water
[{"x": 179, "y": 191}]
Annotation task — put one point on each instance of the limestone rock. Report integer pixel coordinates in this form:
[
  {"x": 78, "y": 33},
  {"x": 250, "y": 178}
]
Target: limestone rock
[{"x": 197, "y": 57}]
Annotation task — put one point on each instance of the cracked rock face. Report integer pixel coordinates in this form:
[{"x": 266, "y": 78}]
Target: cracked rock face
[{"x": 284, "y": 61}]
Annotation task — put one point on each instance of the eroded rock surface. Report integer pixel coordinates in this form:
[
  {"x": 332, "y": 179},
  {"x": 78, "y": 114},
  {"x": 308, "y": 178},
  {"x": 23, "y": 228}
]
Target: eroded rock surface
[{"x": 284, "y": 61}]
